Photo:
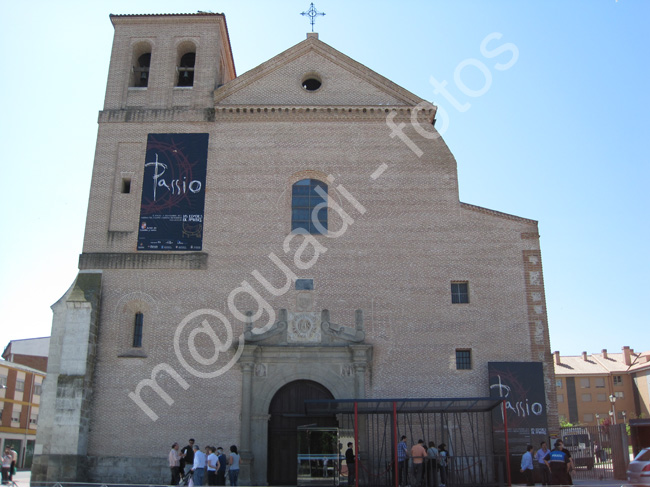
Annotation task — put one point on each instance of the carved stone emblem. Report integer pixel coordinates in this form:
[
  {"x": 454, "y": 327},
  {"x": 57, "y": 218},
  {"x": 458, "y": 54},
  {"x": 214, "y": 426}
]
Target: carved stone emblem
[
  {"x": 305, "y": 302},
  {"x": 303, "y": 328},
  {"x": 260, "y": 370}
]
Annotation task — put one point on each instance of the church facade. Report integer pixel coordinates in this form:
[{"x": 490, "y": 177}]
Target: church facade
[{"x": 294, "y": 232}]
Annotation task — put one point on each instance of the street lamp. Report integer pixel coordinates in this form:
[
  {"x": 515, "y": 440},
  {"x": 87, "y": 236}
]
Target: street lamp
[
  {"x": 612, "y": 399},
  {"x": 623, "y": 413}
]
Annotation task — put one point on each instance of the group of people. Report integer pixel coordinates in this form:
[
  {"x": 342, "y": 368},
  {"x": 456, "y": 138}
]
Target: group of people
[
  {"x": 427, "y": 463},
  {"x": 209, "y": 466},
  {"x": 9, "y": 458},
  {"x": 555, "y": 465}
]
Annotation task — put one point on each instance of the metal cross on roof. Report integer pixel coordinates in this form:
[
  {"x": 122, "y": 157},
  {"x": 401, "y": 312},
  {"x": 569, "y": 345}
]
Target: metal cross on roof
[{"x": 312, "y": 13}]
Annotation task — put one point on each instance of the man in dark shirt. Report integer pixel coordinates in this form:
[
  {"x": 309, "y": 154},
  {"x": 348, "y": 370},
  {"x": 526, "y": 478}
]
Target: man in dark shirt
[
  {"x": 558, "y": 462},
  {"x": 349, "y": 461},
  {"x": 221, "y": 467},
  {"x": 188, "y": 456}
]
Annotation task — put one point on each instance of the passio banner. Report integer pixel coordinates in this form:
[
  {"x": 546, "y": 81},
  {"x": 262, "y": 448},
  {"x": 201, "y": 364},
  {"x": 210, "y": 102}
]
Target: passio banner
[{"x": 173, "y": 192}]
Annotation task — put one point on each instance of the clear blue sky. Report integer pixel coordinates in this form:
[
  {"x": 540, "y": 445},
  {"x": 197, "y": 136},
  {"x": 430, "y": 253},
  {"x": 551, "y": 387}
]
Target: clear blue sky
[{"x": 560, "y": 137}]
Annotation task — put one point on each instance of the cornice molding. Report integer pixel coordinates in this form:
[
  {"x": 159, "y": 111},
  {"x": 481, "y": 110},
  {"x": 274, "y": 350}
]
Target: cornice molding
[
  {"x": 263, "y": 113},
  {"x": 499, "y": 214}
]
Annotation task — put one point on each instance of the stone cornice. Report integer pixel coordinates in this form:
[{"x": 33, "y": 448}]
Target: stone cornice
[
  {"x": 263, "y": 113},
  {"x": 143, "y": 260},
  {"x": 499, "y": 214}
]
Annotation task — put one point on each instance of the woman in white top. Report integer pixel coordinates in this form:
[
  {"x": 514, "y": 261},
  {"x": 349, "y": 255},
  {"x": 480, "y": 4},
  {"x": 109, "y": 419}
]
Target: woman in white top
[
  {"x": 233, "y": 471},
  {"x": 7, "y": 458}
]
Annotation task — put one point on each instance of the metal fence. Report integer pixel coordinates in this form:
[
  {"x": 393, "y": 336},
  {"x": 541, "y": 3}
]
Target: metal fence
[{"x": 598, "y": 452}]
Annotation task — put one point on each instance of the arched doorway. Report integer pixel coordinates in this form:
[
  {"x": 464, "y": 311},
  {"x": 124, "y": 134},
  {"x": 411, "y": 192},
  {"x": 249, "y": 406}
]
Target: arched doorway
[{"x": 287, "y": 412}]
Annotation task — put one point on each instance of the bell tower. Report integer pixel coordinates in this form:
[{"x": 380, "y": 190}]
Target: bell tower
[{"x": 168, "y": 61}]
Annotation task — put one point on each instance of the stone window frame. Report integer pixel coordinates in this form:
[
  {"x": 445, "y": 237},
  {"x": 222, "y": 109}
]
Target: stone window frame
[{"x": 130, "y": 306}]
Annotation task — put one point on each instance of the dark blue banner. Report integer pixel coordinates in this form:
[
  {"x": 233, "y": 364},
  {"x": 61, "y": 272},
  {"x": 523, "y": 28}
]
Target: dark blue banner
[{"x": 173, "y": 192}]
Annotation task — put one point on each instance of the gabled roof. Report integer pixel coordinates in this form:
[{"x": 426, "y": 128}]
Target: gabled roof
[
  {"x": 598, "y": 364},
  {"x": 345, "y": 81}
]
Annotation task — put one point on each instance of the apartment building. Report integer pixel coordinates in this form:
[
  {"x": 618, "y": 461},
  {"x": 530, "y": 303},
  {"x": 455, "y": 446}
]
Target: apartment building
[
  {"x": 20, "y": 395},
  {"x": 602, "y": 387}
]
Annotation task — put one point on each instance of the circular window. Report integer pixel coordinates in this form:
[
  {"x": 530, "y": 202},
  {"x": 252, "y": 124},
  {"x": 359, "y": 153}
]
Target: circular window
[{"x": 311, "y": 82}]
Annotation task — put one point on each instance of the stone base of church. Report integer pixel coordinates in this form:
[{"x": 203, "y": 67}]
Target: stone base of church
[
  {"x": 104, "y": 470},
  {"x": 59, "y": 468}
]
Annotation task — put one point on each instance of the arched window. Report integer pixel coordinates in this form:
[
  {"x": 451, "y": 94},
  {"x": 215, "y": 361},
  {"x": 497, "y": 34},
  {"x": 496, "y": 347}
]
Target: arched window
[
  {"x": 137, "y": 330},
  {"x": 141, "y": 71},
  {"x": 186, "y": 69},
  {"x": 306, "y": 195}
]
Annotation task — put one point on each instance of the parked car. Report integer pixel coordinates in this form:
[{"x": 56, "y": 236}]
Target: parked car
[
  {"x": 638, "y": 473},
  {"x": 578, "y": 441}
]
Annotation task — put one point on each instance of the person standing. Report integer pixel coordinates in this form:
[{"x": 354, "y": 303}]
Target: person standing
[
  {"x": 188, "y": 456},
  {"x": 527, "y": 465},
  {"x": 418, "y": 454},
  {"x": 7, "y": 458},
  {"x": 221, "y": 466},
  {"x": 432, "y": 465},
  {"x": 572, "y": 465},
  {"x": 350, "y": 462},
  {"x": 212, "y": 465},
  {"x": 14, "y": 454},
  {"x": 442, "y": 461},
  {"x": 402, "y": 466},
  {"x": 233, "y": 472},
  {"x": 558, "y": 462},
  {"x": 198, "y": 467},
  {"x": 174, "y": 458},
  {"x": 543, "y": 468}
]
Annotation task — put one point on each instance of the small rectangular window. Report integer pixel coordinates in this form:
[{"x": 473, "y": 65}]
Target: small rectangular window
[
  {"x": 586, "y": 398},
  {"x": 601, "y": 397},
  {"x": 588, "y": 418},
  {"x": 618, "y": 380},
  {"x": 137, "y": 330},
  {"x": 599, "y": 382},
  {"x": 38, "y": 389},
  {"x": 560, "y": 398},
  {"x": 584, "y": 383},
  {"x": 126, "y": 185},
  {"x": 3, "y": 381},
  {"x": 619, "y": 395},
  {"x": 463, "y": 359},
  {"x": 304, "y": 284},
  {"x": 20, "y": 385},
  {"x": 459, "y": 292},
  {"x": 558, "y": 383}
]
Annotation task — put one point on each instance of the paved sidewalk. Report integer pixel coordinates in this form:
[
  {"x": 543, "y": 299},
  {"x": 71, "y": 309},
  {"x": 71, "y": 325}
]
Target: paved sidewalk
[{"x": 22, "y": 479}]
